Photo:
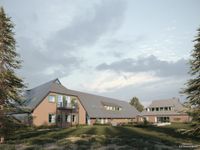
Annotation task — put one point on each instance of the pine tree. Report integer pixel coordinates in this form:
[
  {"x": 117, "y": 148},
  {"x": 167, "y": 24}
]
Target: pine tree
[
  {"x": 11, "y": 85},
  {"x": 192, "y": 89},
  {"x": 136, "y": 103}
]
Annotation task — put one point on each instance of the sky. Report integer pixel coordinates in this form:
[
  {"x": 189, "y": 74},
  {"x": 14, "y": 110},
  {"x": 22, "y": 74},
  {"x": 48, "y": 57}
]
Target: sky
[{"x": 114, "y": 48}]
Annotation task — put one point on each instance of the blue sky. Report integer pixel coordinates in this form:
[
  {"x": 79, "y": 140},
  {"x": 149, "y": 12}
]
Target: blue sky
[{"x": 115, "y": 48}]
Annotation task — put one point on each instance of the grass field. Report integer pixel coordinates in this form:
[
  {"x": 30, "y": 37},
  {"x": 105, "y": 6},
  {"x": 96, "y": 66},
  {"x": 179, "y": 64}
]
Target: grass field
[{"x": 101, "y": 137}]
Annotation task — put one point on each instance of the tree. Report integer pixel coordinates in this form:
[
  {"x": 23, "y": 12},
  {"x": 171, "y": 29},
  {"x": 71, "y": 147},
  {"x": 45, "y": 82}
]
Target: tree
[
  {"x": 11, "y": 85},
  {"x": 136, "y": 103},
  {"x": 192, "y": 89}
]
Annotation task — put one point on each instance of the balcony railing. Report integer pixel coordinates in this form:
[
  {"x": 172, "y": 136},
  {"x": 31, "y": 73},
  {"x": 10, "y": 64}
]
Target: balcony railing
[{"x": 66, "y": 105}]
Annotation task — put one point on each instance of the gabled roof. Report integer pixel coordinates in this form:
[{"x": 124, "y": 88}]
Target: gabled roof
[
  {"x": 178, "y": 108},
  {"x": 173, "y": 102},
  {"x": 93, "y": 104},
  {"x": 34, "y": 96}
]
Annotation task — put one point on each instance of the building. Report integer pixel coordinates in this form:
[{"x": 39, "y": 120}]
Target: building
[
  {"x": 53, "y": 104},
  {"x": 169, "y": 110}
]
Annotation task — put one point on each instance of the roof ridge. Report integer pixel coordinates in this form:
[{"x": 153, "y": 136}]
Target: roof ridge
[
  {"x": 51, "y": 81},
  {"x": 98, "y": 95},
  {"x": 168, "y": 99}
]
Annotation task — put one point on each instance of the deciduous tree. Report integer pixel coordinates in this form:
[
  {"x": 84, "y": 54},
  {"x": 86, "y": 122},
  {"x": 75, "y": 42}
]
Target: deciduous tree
[{"x": 136, "y": 103}]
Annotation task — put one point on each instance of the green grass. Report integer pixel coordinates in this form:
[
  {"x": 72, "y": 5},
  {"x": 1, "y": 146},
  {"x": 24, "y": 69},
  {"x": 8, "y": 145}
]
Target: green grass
[{"x": 130, "y": 136}]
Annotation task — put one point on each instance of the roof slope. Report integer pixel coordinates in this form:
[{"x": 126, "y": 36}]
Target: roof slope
[
  {"x": 174, "y": 102},
  {"x": 93, "y": 104}
]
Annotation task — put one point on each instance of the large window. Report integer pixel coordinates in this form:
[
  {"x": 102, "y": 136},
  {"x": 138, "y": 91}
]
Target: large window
[
  {"x": 163, "y": 119},
  {"x": 51, "y": 98},
  {"x": 60, "y": 101},
  {"x": 52, "y": 118},
  {"x": 68, "y": 99}
]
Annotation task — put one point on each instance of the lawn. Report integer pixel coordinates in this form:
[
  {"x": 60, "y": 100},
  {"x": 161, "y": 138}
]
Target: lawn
[{"x": 101, "y": 137}]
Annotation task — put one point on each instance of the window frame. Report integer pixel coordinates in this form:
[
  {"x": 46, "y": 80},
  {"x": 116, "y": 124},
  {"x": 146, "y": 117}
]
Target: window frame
[
  {"x": 50, "y": 120},
  {"x": 49, "y": 98}
]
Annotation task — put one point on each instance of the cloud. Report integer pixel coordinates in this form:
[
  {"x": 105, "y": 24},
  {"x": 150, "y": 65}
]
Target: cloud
[
  {"x": 40, "y": 66},
  {"x": 87, "y": 28},
  {"x": 111, "y": 81},
  {"x": 148, "y": 64},
  {"x": 48, "y": 39},
  {"x": 148, "y": 91}
]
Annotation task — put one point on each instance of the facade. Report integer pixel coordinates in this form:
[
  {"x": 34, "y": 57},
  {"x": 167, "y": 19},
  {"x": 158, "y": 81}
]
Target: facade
[
  {"x": 163, "y": 111},
  {"x": 53, "y": 104}
]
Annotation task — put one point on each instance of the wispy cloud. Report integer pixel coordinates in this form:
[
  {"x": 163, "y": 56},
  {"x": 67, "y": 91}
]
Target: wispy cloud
[{"x": 109, "y": 81}]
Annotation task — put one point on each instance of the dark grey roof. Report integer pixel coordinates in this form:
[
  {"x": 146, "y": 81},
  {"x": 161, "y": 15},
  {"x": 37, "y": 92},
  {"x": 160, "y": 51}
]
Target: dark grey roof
[
  {"x": 173, "y": 102},
  {"x": 92, "y": 103},
  {"x": 34, "y": 96},
  {"x": 21, "y": 117},
  {"x": 178, "y": 108}
]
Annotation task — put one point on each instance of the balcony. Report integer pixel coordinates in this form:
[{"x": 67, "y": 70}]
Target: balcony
[{"x": 61, "y": 105}]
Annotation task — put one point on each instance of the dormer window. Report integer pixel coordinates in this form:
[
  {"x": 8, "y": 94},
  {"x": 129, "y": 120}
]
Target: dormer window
[{"x": 111, "y": 106}]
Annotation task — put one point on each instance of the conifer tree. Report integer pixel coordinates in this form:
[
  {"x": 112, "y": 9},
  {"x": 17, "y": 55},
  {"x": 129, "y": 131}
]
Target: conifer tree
[
  {"x": 11, "y": 85},
  {"x": 192, "y": 89}
]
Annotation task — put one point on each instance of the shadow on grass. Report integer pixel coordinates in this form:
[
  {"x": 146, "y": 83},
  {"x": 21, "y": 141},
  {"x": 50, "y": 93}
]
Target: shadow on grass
[
  {"x": 29, "y": 134},
  {"x": 127, "y": 133},
  {"x": 172, "y": 132},
  {"x": 50, "y": 137}
]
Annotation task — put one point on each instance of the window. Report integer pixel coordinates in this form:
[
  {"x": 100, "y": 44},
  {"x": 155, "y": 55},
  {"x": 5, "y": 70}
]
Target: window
[
  {"x": 170, "y": 108},
  {"x": 60, "y": 101},
  {"x": 52, "y": 118},
  {"x": 163, "y": 119},
  {"x": 152, "y": 109},
  {"x": 106, "y": 120},
  {"x": 68, "y": 118},
  {"x": 113, "y": 108},
  {"x": 161, "y": 108},
  {"x": 68, "y": 99},
  {"x": 102, "y": 121},
  {"x": 73, "y": 118},
  {"x": 59, "y": 118},
  {"x": 51, "y": 98},
  {"x": 157, "y": 109},
  {"x": 166, "y": 108}
]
